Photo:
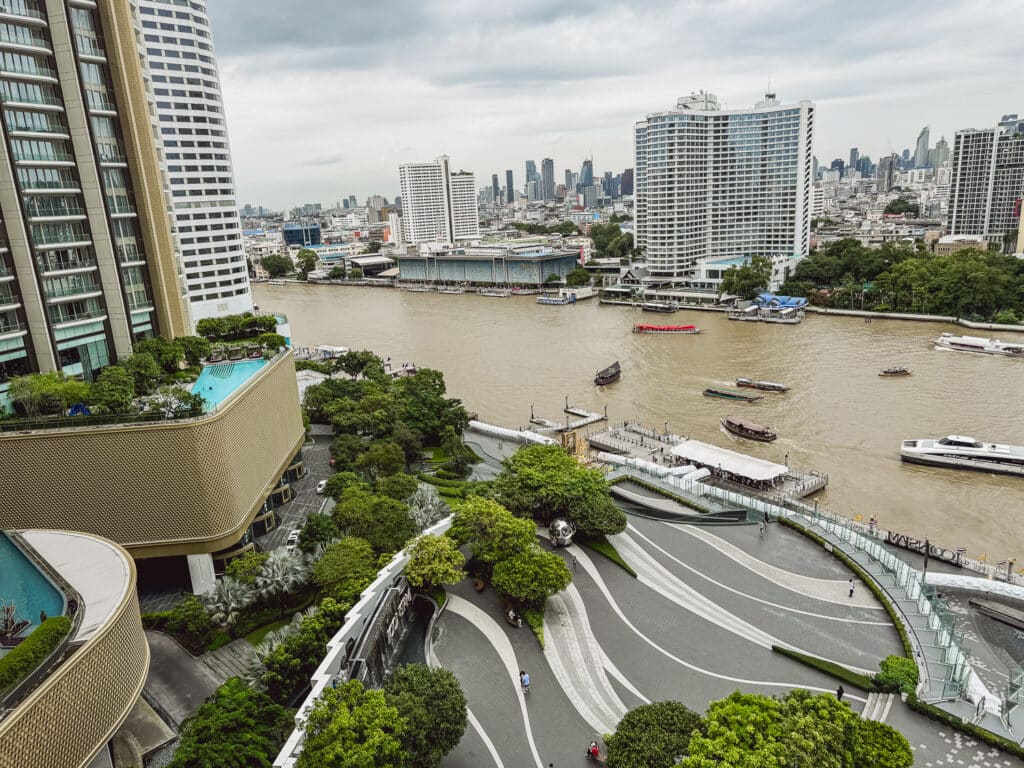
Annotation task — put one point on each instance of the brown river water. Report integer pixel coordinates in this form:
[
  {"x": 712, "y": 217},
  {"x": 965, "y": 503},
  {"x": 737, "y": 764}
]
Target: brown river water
[{"x": 500, "y": 356}]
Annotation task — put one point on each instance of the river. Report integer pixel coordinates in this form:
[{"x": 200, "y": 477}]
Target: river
[{"x": 502, "y": 356}]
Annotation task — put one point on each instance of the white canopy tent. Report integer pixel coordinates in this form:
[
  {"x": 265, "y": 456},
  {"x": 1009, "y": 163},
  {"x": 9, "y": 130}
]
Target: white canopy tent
[{"x": 737, "y": 464}]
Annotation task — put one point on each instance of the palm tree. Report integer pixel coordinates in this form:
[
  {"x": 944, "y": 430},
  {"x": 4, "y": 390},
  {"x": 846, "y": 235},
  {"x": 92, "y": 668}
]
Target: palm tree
[
  {"x": 282, "y": 572},
  {"x": 229, "y": 596}
]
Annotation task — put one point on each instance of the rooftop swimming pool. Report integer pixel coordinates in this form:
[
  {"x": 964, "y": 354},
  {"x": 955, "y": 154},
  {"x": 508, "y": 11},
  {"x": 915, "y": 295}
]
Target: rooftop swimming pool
[
  {"x": 24, "y": 585},
  {"x": 217, "y": 381}
]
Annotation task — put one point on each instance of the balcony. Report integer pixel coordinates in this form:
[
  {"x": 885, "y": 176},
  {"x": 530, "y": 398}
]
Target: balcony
[
  {"x": 26, "y": 39},
  {"x": 43, "y": 212},
  {"x": 63, "y": 315},
  {"x": 61, "y": 158},
  {"x": 38, "y": 70},
  {"x": 52, "y": 266},
  {"x": 21, "y": 10},
  {"x": 9, "y": 330},
  {"x": 90, "y": 47},
  {"x": 69, "y": 186}
]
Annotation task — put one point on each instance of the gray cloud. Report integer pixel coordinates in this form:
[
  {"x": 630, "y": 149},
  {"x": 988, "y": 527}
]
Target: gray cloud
[{"x": 346, "y": 91}]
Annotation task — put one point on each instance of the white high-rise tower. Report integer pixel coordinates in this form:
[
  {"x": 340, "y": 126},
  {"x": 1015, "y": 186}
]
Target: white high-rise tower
[
  {"x": 179, "y": 51},
  {"x": 438, "y": 205},
  {"x": 718, "y": 185}
]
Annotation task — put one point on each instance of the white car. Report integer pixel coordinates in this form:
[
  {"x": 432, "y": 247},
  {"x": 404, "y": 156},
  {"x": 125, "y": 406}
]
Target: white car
[
  {"x": 320, "y": 486},
  {"x": 293, "y": 539}
]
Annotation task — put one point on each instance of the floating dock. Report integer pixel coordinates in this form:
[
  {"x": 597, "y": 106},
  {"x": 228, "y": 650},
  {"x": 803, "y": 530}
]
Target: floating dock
[{"x": 586, "y": 418}]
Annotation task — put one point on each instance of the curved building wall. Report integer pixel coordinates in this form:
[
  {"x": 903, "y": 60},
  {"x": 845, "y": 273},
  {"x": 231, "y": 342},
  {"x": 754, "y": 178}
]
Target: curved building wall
[
  {"x": 172, "y": 488},
  {"x": 77, "y": 709}
]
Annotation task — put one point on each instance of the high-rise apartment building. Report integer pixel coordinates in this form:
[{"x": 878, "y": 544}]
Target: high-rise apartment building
[
  {"x": 438, "y": 205},
  {"x": 988, "y": 180},
  {"x": 854, "y": 157},
  {"x": 940, "y": 153},
  {"x": 888, "y": 170},
  {"x": 626, "y": 186},
  {"x": 186, "y": 83},
  {"x": 510, "y": 188},
  {"x": 570, "y": 186},
  {"x": 88, "y": 265},
  {"x": 587, "y": 174},
  {"x": 531, "y": 172},
  {"x": 921, "y": 148},
  {"x": 714, "y": 184},
  {"x": 495, "y": 189},
  {"x": 547, "y": 173}
]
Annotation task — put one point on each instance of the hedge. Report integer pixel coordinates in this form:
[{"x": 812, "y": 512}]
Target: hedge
[
  {"x": 157, "y": 620},
  {"x": 657, "y": 489},
  {"x": 21, "y": 660},
  {"x": 898, "y": 674},
  {"x": 848, "y": 676}
]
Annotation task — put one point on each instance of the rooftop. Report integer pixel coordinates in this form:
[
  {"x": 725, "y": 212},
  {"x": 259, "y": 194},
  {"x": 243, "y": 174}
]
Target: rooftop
[{"x": 704, "y": 454}]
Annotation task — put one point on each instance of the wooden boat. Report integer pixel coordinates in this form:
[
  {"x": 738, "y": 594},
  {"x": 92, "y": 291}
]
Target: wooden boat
[
  {"x": 896, "y": 371},
  {"x": 496, "y": 293},
  {"x": 748, "y": 429},
  {"x": 766, "y": 386},
  {"x": 731, "y": 394},
  {"x": 642, "y": 328},
  {"x": 660, "y": 306},
  {"x": 612, "y": 373}
]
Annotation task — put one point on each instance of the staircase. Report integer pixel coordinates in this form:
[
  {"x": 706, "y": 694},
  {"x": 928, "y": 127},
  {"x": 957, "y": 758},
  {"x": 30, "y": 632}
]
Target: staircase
[
  {"x": 878, "y": 706},
  {"x": 230, "y": 660}
]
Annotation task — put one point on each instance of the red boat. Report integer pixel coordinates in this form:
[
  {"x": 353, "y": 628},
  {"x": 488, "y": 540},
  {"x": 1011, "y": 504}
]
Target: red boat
[{"x": 642, "y": 328}]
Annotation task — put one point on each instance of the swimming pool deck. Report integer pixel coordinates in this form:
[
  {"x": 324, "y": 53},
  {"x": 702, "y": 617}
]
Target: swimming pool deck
[{"x": 218, "y": 381}]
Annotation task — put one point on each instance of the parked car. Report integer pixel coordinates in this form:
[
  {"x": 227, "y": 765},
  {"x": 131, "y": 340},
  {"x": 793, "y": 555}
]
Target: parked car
[
  {"x": 293, "y": 539},
  {"x": 320, "y": 486}
]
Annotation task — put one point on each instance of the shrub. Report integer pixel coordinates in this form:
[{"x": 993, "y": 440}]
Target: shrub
[
  {"x": 190, "y": 623},
  {"x": 247, "y": 567},
  {"x": 156, "y": 620},
  {"x": 345, "y": 569},
  {"x": 19, "y": 662},
  {"x": 898, "y": 673},
  {"x": 433, "y": 705},
  {"x": 652, "y": 735}
]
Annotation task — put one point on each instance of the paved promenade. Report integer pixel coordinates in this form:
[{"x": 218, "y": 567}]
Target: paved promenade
[{"x": 697, "y": 623}]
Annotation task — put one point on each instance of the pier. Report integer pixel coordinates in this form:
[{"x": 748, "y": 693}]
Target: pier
[{"x": 586, "y": 418}]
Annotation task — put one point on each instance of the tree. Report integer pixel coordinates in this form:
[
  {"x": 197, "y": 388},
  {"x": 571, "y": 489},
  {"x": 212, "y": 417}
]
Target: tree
[
  {"x": 398, "y": 487},
  {"x": 423, "y": 407},
  {"x": 426, "y": 506},
  {"x": 356, "y": 273},
  {"x": 287, "y": 668},
  {"x": 168, "y": 354},
  {"x": 353, "y": 727},
  {"x": 336, "y": 273},
  {"x": 144, "y": 370},
  {"x": 881, "y": 746},
  {"x": 743, "y": 731},
  {"x": 307, "y": 261},
  {"x": 577, "y": 277},
  {"x": 748, "y": 280},
  {"x": 282, "y": 573},
  {"x": 433, "y": 706},
  {"x": 409, "y": 440},
  {"x": 47, "y": 393},
  {"x": 247, "y": 567},
  {"x": 382, "y": 459},
  {"x": 194, "y": 348},
  {"x": 190, "y": 623},
  {"x": 345, "y": 569},
  {"x": 238, "y": 728},
  {"x": 114, "y": 390},
  {"x": 383, "y": 522},
  {"x": 652, "y": 736},
  {"x": 531, "y": 576},
  {"x": 339, "y": 481},
  {"x": 902, "y": 205},
  {"x": 359, "y": 363},
  {"x": 345, "y": 449},
  {"x": 277, "y": 265},
  {"x": 490, "y": 530},
  {"x": 374, "y": 246},
  {"x": 544, "y": 482},
  {"x": 818, "y": 731},
  {"x": 434, "y": 560},
  {"x": 318, "y": 530}
]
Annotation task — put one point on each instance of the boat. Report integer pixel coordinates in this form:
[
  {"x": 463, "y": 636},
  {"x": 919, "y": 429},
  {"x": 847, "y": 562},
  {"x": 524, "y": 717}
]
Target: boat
[
  {"x": 454, "y": 290},
  {"x": 898, "y": 370},
  {"x": 748, "y": 429},
  {"x": 418, "y": 288},
  {"x": 979, "y": 344},
  {"x": 660, "y": 306},
  {"x": 558, "y": 300},
  {"x": 731, "y": 394},
  {"x": 612, "y": 373},
  {"x": 496, "y": 293},
  {"x": 959, "y": 452},
  {"x": 765, "y": 386},
  {"x": 276, "y": 282},
  {"x": 642, "y": 328}
]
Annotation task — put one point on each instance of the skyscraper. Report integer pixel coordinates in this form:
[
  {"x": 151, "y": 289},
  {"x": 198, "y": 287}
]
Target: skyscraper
[
  {"x": 987, "y": 181},
  {"x": 438, "y": 205},
  {"x": 940, "y": 154},
  {"x": 547, "y": 167},
  {"x": 587, "y": 174},
  {"x": 531, "y": 172},
  {"x": 888, "y": 167},
  {"x": 627, "y": 182},
  {"x": 854, "y": 157},
  {"x": 495, "y": 189},
  {"x": 88, "y": 265},
  {"x": 570, "y": 186},
  {"x": 921, "y": 150},
  {"x": 713, "y": 184},
  {"x": 194, "y": 134},
  {"x": 510, "y": 188}
]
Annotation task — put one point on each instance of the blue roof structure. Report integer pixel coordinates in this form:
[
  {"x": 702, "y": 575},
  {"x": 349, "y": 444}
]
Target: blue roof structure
[{"x": 780, "y": 302}]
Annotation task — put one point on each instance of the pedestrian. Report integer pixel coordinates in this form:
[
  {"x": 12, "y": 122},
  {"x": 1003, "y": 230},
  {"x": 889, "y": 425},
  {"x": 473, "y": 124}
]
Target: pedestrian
[
  {"x": 840, "y": 692},
  {"x": 851, "y": 587},
  {"x": 766, "y": 517},
  {"x": 574, "y": 563},
  {"x": 761, "y": 528}
]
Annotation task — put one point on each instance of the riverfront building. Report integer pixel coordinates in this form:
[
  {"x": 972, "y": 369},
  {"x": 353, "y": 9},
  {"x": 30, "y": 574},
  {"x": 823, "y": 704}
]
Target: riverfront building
[
  {"x": 87, "y": 261},
  {"x": 502, "y": 264},
  {"x": 65, "y": 711},
  {"x": 988, "y": 181},
  {"x": 438, "y": 205},
  {"x": 714, "y": 184},
  {"x": 186, "y": 84}
]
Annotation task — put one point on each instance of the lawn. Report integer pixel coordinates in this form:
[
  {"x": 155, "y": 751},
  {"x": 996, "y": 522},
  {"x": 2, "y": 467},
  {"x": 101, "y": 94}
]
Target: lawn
[
  {"x": 438, "y": 455},
  {"x": 257, "y": 635}
]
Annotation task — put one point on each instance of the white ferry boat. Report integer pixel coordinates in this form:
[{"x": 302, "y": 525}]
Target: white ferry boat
[
  {"x": 978, "y": 344},
  {"x": 961, "y": 452},
  {"x": 276, "y": 282}
]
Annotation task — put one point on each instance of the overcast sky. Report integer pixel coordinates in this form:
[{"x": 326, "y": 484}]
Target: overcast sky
[{"x": 324, "y": 98}]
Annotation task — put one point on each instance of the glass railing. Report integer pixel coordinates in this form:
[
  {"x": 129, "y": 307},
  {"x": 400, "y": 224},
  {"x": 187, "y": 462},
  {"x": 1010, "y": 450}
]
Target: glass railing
[
  {"x": 7, "y": 297},
  {"x": 15, "y": 8},
  {"x": 23, "y": 39},
  {"x": 40, "y": 211},
  {"x": 52, "y": 157},
  {"x": 68, "y": 183},
  {"x": 37, "y": 70},
  {"x": 50, "y": 263},
  {"x": 89, "y": 46},
  {"x": 30, "y": 98},
  {"x": 71, "y": 286},
  {"x": 65, "y": 313},
  {"x": 112, "y": 157},
  {"x": 7, "y": 327}
]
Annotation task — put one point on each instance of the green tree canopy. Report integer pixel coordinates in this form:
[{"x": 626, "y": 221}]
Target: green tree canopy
[
  {"x": 247, "y": 567},
  {"x": 168, "y": 354},
  {"x": 277, "y": 265},
  {"x": 748, "y": 280},
  {"x": 433, "y": 706},
  {"x": 307, "y": 261},
  {"x": 653, "y": 736},
  {"x": 382, "y": 459},
  {"x": 544, "y": 482},
  {"x": 339, "y": 481},
  {"x": 531, "y": 576},
  {"x": 47, "y": 393},
  {"x": 423, "y": 406},
  {"x": 353, "y": 727},
  {"x": 317, "y": 530},
  {"x": 194, "y": 348},
  {"x": 490, "y": 530},
  {"x": 374, "y": 246},
  {"x": 743, "y": 731},
  {"x": 114, "y": 390},
  {"x": 336, "y": 273},
  {"x": 577, "y": 277},
  {"x": 434, "y": 560},
  {"x": 144, "y": 370},
  {"x": 239, "y": 728},
  {"x": 345, "y": 569},
  {"x": 356, "y": 273},
  {"x": 398, "y": 487},
  {"x": 881, "y": 746},
  {"x": 383, "y": 522},
  {"x": 902, "y": 205}
]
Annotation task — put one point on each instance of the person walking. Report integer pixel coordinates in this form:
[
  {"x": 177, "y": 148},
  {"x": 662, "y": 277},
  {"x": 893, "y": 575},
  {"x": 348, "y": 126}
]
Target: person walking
[
  {"x": 524, "y": 681},
  {"x": 574, "y": 562},
  {"x": 840, "y": 692},
  {"x": 851, "y": 587}
]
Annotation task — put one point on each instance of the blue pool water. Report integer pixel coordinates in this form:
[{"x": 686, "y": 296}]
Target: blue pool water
[
  {"x": 24, "y": 585},
  {"x": 217, "y": 381}
]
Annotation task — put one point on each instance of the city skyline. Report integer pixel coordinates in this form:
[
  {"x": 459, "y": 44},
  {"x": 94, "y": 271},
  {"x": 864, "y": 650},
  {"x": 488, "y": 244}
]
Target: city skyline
[{"x": 875, "y": 86}]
